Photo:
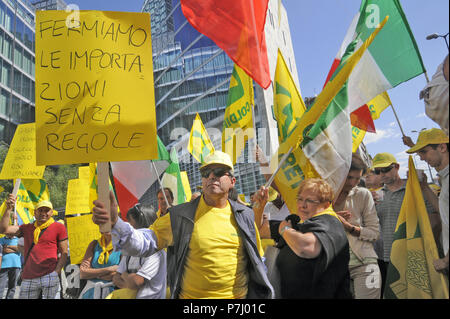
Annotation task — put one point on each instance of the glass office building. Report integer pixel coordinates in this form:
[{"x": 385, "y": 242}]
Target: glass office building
[{"x": 16, "y": 66}]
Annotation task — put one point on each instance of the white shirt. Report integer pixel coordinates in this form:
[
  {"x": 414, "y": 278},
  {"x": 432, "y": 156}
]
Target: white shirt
[{"x": 152, "y": 269}]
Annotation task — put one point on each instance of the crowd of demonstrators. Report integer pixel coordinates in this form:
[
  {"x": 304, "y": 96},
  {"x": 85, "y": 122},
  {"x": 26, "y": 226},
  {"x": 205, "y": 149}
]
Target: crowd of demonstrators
[{"x": 216, "y": 246}]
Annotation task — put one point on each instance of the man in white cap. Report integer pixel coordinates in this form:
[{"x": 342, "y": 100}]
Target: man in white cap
[
  {"x": 432, "y": 147},
  {"x": 43, "y": 240},
  {"x": 215, "y": 248}
]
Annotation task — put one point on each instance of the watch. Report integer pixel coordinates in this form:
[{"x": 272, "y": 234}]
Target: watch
[{"x": 284, "y": 229}]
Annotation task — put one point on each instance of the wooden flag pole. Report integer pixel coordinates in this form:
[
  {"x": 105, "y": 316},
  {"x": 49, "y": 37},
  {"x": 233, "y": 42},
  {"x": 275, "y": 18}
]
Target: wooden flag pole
[
  {"x": 103, "y": 191},
  {"x": 160, "y": 184},
  {"x": 15, "y": 191},
  {"x": 398, "y": 121}
]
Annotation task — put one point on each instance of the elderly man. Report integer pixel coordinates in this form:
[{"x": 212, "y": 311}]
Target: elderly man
[
  {"x": 388, "y": 209},
  {"x": 432, "y": 147},
  {"x": 215, "y": 241},
  {"x": 44, "y": 239}
]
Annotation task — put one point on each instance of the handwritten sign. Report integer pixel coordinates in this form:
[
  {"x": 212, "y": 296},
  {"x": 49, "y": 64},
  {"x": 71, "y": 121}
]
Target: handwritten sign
[
  {"x": 20, "y": 162},
  {"x": 94, "y": 87},
  {"x": 77, "y": 200},
  {"x": 81, "y": 231}
]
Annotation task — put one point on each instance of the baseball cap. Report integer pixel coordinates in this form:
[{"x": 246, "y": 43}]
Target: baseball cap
[
  {"x": 44, "y": 203},
  {"x": 383, "y": 160},
  {"x": 427, "y": 137},
  {"x": 218, "y": 157}
]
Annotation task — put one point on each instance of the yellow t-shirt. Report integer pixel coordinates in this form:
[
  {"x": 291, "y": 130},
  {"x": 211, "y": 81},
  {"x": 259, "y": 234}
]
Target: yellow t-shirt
[{"x": 216, "y": 263}]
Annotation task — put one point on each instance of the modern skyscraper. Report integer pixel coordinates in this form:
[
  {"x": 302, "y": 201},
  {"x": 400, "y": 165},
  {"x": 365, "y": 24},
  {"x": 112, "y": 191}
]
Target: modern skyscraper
[
  {"x": 49, "y": 4},
  {"x": 16, "y": 66},
  {"x": 192, "y": 76}
]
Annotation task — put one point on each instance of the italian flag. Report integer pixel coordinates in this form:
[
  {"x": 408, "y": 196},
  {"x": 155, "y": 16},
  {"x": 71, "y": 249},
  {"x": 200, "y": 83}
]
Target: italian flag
[{"x": 392, "y": 58}]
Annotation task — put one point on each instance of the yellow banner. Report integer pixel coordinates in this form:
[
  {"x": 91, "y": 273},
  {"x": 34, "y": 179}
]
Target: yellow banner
[
  {"x": 411, "y": 274},
  {"x": 20, "y": 162},
  {"x": 288, "y": 105},
  {"x": 186, "y": 185},
  {"x": 94, "y": 87},
  {"x": 81, "y": 231},
  {"x": 77, "y": 200},
  {"x": 199, "y": 143},
  {"x": 238, "y": 119}
]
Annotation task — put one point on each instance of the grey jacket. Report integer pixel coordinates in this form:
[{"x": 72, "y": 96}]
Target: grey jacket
[{"x": 182, "y": 218}]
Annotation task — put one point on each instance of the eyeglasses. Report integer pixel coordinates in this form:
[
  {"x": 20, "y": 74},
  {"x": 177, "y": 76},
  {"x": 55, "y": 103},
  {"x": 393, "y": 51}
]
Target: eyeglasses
[
  {"x": 218, "y": 172},
  {"x": 384, "y": 170},
  {"x": 308, "y": 201}
]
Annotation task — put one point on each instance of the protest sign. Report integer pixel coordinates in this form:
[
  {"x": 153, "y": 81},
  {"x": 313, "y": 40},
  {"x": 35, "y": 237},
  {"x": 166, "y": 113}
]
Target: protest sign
[
  {"x": 20, "y": 162},
  {"x": 77, "y": 200},
  {"x": 81, "y": 231},
  {"x": 94, "y": 87}
]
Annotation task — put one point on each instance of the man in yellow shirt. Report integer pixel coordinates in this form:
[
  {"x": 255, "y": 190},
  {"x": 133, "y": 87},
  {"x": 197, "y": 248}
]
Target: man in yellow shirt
[
  {"x": 162, "y": 203},
  {"x": 216, "y": 249}
]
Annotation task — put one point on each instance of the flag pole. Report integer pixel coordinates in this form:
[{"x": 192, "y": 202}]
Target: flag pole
[
  {"x": 160, "y": 184},
  {"x": 398, "y": 121},
  {"x": 103, "y": 191},
  {"x": 15, "y": 191}
]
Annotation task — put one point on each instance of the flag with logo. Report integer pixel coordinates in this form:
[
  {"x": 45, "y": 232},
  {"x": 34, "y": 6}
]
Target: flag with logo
[
  {"x": 237, "y": 27},
  {"x": 411, "y": 274},
  {"x": 132, "y": 179},
  {"x": 172, "y": 179},
  {"x": 323, "y": 134},
  {"x": 288, "y": 105},
  {"x": 238, "y": 118},
  {"x": 31, "y": 192},
  {"x": 199, "y": 144},
  {"x": 392, "y": 58},
  {"x": 376, "y": 106}
]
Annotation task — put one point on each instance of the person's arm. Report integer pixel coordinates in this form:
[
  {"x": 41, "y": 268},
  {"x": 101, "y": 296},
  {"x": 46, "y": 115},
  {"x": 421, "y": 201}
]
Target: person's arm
[
  {"x": 86, "y": 270},
  {"x": 260, "y": 200},
  {"x": 441, "y": 265},
  {"x": 62, "y": 260},
  {"x": 305, "y": 245},
  {"x": 5, "y": 228},
  {"x": 132, "y": 281},
  {"x": 131, "y": 241}
]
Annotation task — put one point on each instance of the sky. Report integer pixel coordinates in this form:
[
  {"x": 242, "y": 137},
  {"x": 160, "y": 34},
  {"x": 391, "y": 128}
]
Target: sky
[{"x": 318, "y": 28}]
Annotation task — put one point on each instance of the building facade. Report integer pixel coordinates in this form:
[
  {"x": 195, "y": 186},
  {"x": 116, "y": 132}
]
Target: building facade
[
  {"x": 192, "y": 75},
  {"x": 17, "y": 61}
]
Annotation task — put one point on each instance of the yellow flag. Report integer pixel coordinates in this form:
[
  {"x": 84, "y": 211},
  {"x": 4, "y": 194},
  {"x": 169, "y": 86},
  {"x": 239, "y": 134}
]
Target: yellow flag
[
  {"x": 238, "y": 119},
  {"x": 297, "y": 167},
  {"x": 199, "y": 143},
  {"x": 376, "y": 106},
  {"x": 288, "y": 105},
  {"x": 411, "y": 274},
  {"x": 186, "y": 185}
]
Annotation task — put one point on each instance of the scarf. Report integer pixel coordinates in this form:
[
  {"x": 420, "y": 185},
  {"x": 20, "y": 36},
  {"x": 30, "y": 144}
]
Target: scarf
[
  {"x": 106, "y": 248},
  {"x": 38, "y": 229}
]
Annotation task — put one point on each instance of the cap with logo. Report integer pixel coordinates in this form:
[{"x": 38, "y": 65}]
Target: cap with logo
[
  {"x": 429, "y": 137},
  {"x": 383, "y": 160},
  {"x": 218, "y": 157}
]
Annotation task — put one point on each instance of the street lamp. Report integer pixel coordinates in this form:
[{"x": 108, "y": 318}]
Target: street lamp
[{"x": 435, "y": 36}]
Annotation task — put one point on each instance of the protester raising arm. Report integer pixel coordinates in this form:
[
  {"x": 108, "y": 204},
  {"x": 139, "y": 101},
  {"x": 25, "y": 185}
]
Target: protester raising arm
[{"x": 5, "y": 228}]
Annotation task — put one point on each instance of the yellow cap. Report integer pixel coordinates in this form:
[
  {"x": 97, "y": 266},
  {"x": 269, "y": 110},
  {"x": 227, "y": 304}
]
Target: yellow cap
[
  {"x": 218, "y": 157},
  {"x": 383, "y": 160},
  {"x": 427, "y": 137},
  {"x": 272, "y": 194},
  {"x": 44, "y": 203}
]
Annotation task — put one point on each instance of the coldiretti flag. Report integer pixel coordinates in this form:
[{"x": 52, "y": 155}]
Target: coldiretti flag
[
  {"x": 392, "y": 58},
  {"x": 411, "y": 274},
  {"x": 199, "y": 143},
  {"x": 238, "y": 119},
  {"x": 288, "y": 105},
  {"x": 327, "y": 164},
  {"x": 172, "y": 179},
  {"x": 376, "y": 106},
  {"x": 31, "y": 191}
]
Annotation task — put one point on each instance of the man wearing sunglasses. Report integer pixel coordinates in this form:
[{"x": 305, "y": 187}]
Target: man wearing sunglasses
[
  {"x": 215, "y": 249},
  {"x": 432, "y": 147},
  {"x": 388, "y": 209}
]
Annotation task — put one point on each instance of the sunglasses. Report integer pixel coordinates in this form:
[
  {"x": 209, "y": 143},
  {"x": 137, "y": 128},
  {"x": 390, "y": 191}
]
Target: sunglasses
[
  {"x": 384, "y": 170},
  {"x": 218, "y": 172}
]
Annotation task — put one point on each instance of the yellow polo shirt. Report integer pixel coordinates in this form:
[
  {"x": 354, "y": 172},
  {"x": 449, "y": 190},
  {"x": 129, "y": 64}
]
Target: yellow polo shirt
[{"x": 216, "y": 265}]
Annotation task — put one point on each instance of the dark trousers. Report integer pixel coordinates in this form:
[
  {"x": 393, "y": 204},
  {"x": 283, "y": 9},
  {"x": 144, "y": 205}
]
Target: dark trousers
[
  {"x": 8, "y": 279},
  {"x": 383, "y": 270}
]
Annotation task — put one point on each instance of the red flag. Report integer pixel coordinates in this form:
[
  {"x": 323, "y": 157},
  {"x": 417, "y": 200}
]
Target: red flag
[{"x": 237, "y": 27}]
